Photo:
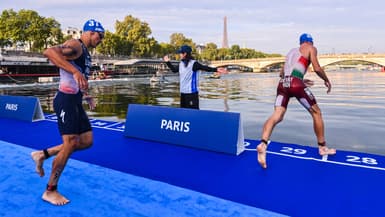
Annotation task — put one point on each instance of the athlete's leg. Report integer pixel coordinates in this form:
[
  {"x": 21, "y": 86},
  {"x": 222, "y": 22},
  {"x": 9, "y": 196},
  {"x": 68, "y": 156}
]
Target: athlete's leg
[
  {"x": 86, "y": 140},
  {"x": 274, "y": 119},
  {"x": 319, "y": 131},
  {"x": 318, "y": 124},
  {"x": 307, "y": 99},
  {"x": 40, "y": 156},
  {"x": 51, "y": 195}
]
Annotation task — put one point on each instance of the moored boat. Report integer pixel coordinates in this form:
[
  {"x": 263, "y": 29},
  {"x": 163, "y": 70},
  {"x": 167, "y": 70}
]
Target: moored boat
[{"x": 21, "y": 68}]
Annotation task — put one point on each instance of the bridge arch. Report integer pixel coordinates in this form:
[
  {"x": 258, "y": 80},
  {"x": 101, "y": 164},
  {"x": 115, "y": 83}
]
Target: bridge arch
[
  {"x": 350, "y": 64},
  {"x": 233, "y": 68},
  {"x": 261, "y": 64}
]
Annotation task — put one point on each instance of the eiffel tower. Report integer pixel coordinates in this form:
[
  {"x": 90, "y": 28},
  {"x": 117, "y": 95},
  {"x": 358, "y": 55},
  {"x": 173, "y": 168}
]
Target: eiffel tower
[{"x": 225, "y": 42}]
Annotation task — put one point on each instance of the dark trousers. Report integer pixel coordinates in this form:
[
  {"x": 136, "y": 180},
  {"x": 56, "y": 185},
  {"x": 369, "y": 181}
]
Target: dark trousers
[{"x": 189, "y": 100}]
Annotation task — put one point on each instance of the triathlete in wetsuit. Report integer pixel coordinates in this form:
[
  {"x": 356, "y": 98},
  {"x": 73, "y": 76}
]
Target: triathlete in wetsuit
[{"x": 292, "y": 84}]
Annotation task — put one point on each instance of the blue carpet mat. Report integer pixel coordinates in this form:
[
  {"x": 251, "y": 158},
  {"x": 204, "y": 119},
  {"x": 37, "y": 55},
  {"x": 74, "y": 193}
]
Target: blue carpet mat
[
  {"x": 297, "y": 182},
  {"x": 98, "y": 191}
]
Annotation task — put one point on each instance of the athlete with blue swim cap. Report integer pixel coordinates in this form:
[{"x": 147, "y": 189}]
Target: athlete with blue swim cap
[
  {"x": 293, "y": 84},
  {"x": 305, "y": 37},
  {"x": 93, "y": 26},
  {"x": 74, "y": 61}
]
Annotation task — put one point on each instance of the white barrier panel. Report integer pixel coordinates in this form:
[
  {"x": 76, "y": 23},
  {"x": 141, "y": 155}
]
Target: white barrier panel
[
  {"x": 24, "y": 108},
  {"x": 210, "y": 130}
]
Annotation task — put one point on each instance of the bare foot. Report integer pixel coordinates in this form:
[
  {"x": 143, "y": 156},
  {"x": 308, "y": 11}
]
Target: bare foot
[
  {"x": 261, "y": 149},
  {"x": 323, "y": 150},
  {"x": 55, "y": 198},
  {"x": 38, "y": 157}
]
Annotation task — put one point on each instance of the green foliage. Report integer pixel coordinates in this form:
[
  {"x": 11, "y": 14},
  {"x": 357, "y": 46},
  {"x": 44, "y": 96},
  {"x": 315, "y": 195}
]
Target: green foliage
[
  {"x": 165, "y": 49},
  {"x": 178, "y": 39},
  {"x": 235, "y": 52},
  {"x": 210, "y": 52},
  {"x": 132, "y": 37},
  {"x": 137, "y": 34},
  {"x": 114, "y": 45},
  {"x": 6, "y": 19},
  {"x": 26, "y": 27}
]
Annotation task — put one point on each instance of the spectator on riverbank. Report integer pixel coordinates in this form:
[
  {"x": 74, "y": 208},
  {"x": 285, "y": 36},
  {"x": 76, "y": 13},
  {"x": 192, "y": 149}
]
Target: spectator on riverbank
[
  {"x": 74, "y": 61},
  {"x": 189, "y": 76},
  {"x": 292, "y": 84}
]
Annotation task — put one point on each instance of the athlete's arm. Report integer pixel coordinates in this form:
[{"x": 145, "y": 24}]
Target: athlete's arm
[
  {"x": 317, "y": 68},
  {"x": 60, "y": 56},
  {"x": 281, "y": 72}
]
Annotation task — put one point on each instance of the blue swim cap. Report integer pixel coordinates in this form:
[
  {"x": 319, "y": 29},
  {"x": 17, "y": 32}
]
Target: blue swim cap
[
  {"x": 184, "y": 49},
  {"x": 305, "y": 37},
  {"x": 93, "y": 26}
]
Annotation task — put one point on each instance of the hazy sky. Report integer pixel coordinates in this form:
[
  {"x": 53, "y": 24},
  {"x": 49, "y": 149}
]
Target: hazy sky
[{"x": 271, "y": 26}]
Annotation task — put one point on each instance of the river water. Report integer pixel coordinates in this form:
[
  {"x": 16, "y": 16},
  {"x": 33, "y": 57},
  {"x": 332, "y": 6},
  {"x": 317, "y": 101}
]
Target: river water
[{"x": 354, "y": 111}]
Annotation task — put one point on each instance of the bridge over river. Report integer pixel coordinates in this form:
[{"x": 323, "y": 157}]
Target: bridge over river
[{"x": 265, "y": 64}]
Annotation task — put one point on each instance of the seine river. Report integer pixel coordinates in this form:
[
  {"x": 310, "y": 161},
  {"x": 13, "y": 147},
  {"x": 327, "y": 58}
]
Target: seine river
[{"x": 353, "y": 112}]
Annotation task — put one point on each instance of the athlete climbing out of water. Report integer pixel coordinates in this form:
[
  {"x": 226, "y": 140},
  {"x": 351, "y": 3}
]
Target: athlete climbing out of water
[
  {"x": 292, "y": 84},
  {"x": 74, "y": 62}
]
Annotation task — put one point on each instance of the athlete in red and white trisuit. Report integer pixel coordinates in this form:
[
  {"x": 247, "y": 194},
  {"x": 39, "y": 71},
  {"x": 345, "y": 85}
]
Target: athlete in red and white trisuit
[{"x": 292, "y": 84}]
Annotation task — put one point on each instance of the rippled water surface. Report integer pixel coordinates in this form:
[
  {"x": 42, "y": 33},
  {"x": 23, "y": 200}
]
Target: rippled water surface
[{"x": 354, "y": 112}]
